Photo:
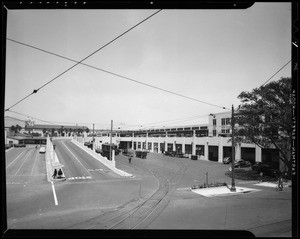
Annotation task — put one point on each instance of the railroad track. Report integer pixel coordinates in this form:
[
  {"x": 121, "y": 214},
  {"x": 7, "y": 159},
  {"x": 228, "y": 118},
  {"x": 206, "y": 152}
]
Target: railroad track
[{"x": 139, "y": 215}]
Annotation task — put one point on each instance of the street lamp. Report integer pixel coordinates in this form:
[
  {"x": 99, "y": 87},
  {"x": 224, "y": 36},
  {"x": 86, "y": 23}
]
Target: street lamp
[{"x": 232, "y": 189}]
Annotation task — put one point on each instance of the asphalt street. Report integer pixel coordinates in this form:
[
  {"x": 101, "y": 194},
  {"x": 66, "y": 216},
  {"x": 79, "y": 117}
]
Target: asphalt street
[{"x": 92, "y": 195}]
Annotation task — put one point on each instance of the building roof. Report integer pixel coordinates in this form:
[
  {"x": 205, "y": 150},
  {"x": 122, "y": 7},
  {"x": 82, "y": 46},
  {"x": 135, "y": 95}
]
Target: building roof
[{"x": 56, "y": 127}]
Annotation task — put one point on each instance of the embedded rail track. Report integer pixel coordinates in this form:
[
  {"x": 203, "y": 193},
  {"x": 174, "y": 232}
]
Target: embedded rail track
[{"x": 139, "y": 215}]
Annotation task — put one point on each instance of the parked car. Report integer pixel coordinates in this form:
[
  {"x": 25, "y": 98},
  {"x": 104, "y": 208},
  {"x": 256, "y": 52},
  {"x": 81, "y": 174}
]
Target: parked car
[
  {"x": 242, "y": 164},
  {"x": 7, "y": 146},
  {"x": 19, "y": 145},
  {"x": 226, "y": 160},
  {"x": 265, "y": 168}
]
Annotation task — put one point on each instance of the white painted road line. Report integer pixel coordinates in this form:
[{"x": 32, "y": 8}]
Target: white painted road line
[
  {"x": 54, "y": 194},
  {"x": 15, "y": 159},
  {"x": 76, "y": 158},
  {"x": 34, "y": 164},
  {"x": 22, "y": 163}
]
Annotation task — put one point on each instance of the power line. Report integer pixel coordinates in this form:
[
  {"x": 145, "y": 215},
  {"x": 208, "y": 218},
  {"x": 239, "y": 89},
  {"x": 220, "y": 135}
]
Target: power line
[
  {"x": 118, "y": 75},
  {"x": 36, "y": 90},
  {"x": 34, "y": 118},
  {"x": 57, "y": 123},
  {"x": 276, "y": 72}
]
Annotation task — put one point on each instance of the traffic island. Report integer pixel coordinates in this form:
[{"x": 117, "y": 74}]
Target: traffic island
[
  {"x": 221, "y": 191},
  {"x": 53, "y": 166}
]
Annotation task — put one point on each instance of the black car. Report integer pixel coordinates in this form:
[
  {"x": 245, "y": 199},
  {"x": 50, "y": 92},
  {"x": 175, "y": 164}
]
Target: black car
[
  {"x": 265, "y": 168},
  {"x": 242, "y": 164},
  {"x": 19, "y": 145}
]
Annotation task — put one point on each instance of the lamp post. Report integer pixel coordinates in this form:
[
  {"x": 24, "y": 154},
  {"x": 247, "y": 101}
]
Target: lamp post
[{"x": 232, "y": 189}]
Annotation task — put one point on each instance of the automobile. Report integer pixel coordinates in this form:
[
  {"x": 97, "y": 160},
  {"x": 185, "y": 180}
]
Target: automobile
[
  {"x": 42, "y": 150},
  {"x": 87, "y": 143},
  {"x": 7, "y": 146},
  {"x": 242, "y": 164},
  {"x": 265, "y": 168},
  {"x": 19, "y": 145},
  {"x": 226, "y": 160}
]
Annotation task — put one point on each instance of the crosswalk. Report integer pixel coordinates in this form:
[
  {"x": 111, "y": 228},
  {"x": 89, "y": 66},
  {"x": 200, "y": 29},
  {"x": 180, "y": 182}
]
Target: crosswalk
[
  {"x": 93, "y": 171},
  {"x": 76, "y": 178}
]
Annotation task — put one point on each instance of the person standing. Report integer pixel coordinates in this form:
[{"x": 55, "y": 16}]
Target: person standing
[{"x": 59, "y": 173}]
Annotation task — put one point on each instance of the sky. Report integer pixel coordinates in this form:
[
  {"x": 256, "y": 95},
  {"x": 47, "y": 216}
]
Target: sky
[{"x": 210, "y": 56}]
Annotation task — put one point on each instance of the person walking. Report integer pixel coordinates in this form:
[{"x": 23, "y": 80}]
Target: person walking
[
  {"x": 129, "y": 158},
  {"x": 54, "y": 174}
]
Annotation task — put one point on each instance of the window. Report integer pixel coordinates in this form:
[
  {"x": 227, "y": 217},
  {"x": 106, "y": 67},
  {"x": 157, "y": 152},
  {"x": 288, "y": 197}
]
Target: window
[
  {"x": 227, "y": 131},
  {"x": 214, "y": 132},
  {"x": 199, "y": 149},
  {"x": 223, "y": 121},
  {"x": 222, "y": 131},
  {"x": 228, "y": 120},
  {"x": 188, "y": 149},
  {"x": 214, "y": 121}
]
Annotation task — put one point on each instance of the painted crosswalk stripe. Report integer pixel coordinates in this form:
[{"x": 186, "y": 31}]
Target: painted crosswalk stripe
[{"x": 83, "y": 177}]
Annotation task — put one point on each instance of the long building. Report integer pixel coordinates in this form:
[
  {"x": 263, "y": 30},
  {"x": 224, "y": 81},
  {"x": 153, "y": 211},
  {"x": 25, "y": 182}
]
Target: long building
[{"x": 210, "y": 141}]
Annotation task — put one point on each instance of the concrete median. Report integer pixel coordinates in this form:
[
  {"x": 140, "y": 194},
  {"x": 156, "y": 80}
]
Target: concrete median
[{"x": 52, "y": 163}]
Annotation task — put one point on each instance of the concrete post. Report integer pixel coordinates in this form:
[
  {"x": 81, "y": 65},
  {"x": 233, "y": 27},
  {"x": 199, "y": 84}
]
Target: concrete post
[
  {"x": 220, "y": 150},
  {"x": 158, "y": 146},
  {"x": 257, "y": 153},
  {"x": 113, "y": 162},
  {"x": 238, "y": 152},
  {"x": 206, "y": 151},
  {"x": 194, "y": 143}
]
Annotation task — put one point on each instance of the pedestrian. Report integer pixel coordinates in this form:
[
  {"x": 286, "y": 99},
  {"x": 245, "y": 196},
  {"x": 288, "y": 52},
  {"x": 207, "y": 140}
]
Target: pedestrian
[
  {"x": 59, "y": 173},
  {"x": 54, "y": 174},
  {"x": 129, "y": 158}
]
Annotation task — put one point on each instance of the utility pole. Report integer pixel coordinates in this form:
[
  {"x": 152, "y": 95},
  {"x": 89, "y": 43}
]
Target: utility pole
[
  {"x": 111, "y": 128},
  {"x": 233, "y": 189}
]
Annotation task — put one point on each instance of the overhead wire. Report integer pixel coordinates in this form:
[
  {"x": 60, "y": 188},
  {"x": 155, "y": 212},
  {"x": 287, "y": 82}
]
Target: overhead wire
[
  {"x": 118, "y": 75},
  {"x": 116, "y": 124},
  {"x": 276, "y": 72},
  {"x": 77, "y": 63}
]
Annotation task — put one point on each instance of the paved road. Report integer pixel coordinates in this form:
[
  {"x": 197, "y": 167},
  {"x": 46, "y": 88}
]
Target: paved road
[
  {"x": 90, "y": 203},
  {"x": 30, "y": 198}
]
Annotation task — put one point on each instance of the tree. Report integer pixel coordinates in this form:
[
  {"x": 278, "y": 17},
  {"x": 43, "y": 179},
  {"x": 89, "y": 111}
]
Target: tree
[
  {"x": 265, "y": 118},
  {"x": 45, "y": 131},
  {"x": 61, "y": 130},
  {"x": 16, "y": 128}
]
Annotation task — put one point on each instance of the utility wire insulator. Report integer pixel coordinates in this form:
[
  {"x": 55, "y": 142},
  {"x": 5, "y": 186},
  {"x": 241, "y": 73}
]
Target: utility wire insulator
[{"x": 34, "y": 91}]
